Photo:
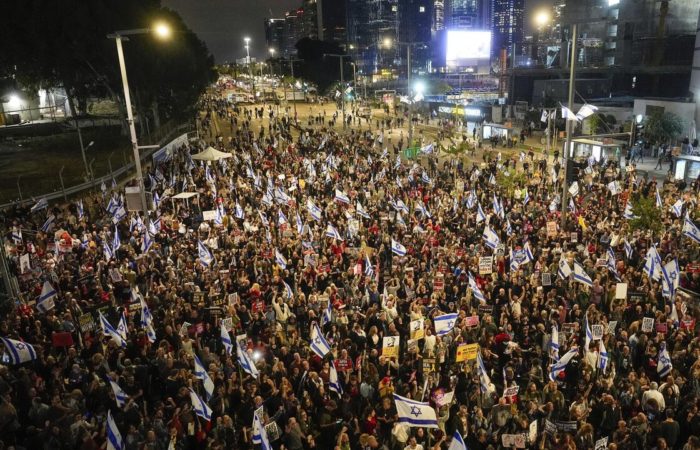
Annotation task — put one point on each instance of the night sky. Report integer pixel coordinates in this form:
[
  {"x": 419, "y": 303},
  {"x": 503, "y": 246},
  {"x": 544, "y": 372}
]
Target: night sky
[{"x": 222, "y": 24}]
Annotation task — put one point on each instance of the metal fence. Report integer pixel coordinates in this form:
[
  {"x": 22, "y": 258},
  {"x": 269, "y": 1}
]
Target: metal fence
[{"x": 161, "y": 138}]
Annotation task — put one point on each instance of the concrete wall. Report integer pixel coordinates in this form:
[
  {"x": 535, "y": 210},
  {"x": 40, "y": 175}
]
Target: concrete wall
[{"x": 686, "y": 111}]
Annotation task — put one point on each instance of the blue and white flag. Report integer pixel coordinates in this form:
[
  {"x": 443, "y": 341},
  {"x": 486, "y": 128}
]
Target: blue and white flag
[
  {"x": 280, "y": 260},
  {"x": 572, "y": 205},
  {"x": 677, "y": 208},
  {"x": 361, "y": 211},
  {"x": 341, "y": 197},
  {"x": 471, "y": 199},
  {"x": 267, "y": 199},
  {"x": 147, "y": 243},
  {"x": 281, "y": 218},
  {"x": 260, "y": 434},
  {"x": 333, "y": 382},
  {"x": 444, "y": 323},
  {"x": 492, "y": 179},
  {"x": 480, "y": 216},
  {"x": 220, "y": 213},
  {"x": 205, "y": 256},
  {"x": 246, "y": 362},
  {"x": 369, "y": 270},
  {"x": 107, "y": 250},
  {"x": 114, "y": 438},
  {"x": 116, "y": 241},
  {"x": 314, "y": 210},
  {"x": 564, "y": 271},
  {"x": 664, "y": 364},
  {"x": 497, "y": 207},
  {"x": 509, "y": 228},
  {"x": 457, "y": 442},
  {"x": 397, "y": 248},
  {"x": 581, "y": 276},
  {"x": 318, "y": 344},
  {"x": 420, "y": 207},
  {"x": 226, "y": 339},
  {"x": 602, "y": 358},
  {"x": 288, "y": 293},
  {"x": 147, "y": 320},
  {"x": 119, "y": 214},
  {"x": 108, "y": 330},
  {"x": 46, "y": 300},
  {"x": 299, "y": 223},
  {"x": 589, "y": 334},
  {"x": 327, "y": 315},
  {"x": 18, "y": 352},
  {"x": 628, "y": 249},
  {"x": 201, "y": 373},
  {"x": 671, "y": 278},
  {"x": 559, "y": 366},
  {"x": 399, "y": 205},
  {"x": 200, "y": 408},
  {"x": 399, "y": 219},
  {"x": 415, "y": 414},
  {"x": 484, "y": 379},
  {"x": 239, "y": 212},
  {"x": 427, "y": 149},
  {"x": 425, "y": 178},
  {"x": 659, "y": 202},
  {"x": 554, "y": 344},
  {"x": 526, "y": 198},
  {"x": 81, "y": 209},
  {"x": 628, "y": 213},
  {"x": 653, "y": 264},
  {"x": 475, "y": 289},
  {"x": 122, "y": 327},
  {"x": 41, "y": 204},
  {"x": 490, "y": 238},
  {"x": 397, "y": 164},
  {"x": 48, "y": 223},
  {"x": 529, "y": 257},
  {"x": 333, "y": 233},
  {"x": 119, "y": 395},
  {"x": 690, "y": 229}
]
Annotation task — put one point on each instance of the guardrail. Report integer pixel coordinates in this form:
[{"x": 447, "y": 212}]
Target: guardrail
[{"x": 116, "y": 174}]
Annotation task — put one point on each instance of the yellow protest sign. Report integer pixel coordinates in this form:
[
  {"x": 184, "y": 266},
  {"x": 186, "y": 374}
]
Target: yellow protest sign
[
  {"x": 472, "y": 350},
  {"x": 417, "y": 329},
  {"x": 462, "y": 352},
  {"x": 390, "y": 346}
]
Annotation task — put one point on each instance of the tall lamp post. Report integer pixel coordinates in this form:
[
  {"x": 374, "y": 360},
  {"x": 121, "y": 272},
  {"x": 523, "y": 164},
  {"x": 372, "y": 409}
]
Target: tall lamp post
[
  {"x": 162, "y": 31},
  {"x": 272, "y": 56},
  {"x": 247, "y": 60},
  {"x": 342, "y": 81}
]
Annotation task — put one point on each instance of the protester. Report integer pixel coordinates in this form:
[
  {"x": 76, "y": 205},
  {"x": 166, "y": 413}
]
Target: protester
[{"x": 317, "y": 293}]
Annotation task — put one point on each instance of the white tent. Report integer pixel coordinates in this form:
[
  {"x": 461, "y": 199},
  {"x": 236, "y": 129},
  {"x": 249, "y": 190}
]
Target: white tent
[{"x": 211, "y": 154}]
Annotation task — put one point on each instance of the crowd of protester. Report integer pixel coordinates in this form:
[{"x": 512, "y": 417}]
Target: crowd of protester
[{"x": 568, "y": 338}]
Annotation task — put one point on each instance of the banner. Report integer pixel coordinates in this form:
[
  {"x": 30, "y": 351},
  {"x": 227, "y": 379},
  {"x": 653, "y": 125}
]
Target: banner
[{"x": 390, "y": 347}]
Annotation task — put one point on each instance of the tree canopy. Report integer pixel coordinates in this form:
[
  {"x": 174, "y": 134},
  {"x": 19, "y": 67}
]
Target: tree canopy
[
  {"x": 63, "y": 43},
  {"x": 663, "y": 127}
]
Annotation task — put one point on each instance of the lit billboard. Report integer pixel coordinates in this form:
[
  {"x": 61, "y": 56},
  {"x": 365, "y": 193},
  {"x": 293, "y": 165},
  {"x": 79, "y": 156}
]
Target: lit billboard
[{"x": 467, "y": 48}]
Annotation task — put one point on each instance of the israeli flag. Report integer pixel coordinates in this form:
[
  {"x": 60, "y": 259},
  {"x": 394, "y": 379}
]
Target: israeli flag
[
  {"x": 114, "y": 438},
  {"x": 480, "y": 216},
  {"x": 281, "y": 218},
  {"x": 492, "y": 179},
  {"x": 122, "y": 328},
  {"x": 567, "y": 114},
  {"x": 497, "y": 207},
  {"x": 280, "y": 260},
  {"x": 18, "y": 352},
  {"x": 41, "y": 204},
  {"x": 146, "y": 244},
  {"x": 46, "y": 300},
  {"x": 457, "y": 442},
  {"x": 205, "y": 256},
  {"x": 239, "y": 212},
  {"x": 220, "y": 213},
  {"x": 585, "y": 111},
  {"x": 564, "y": 271},
  {"x": 559, "y": 366},
  {"x": 611, "y": 263},
  {"x": 484, "y": 378},
  {"x": 369, "y": 270},
  {"x": 47, "y": 225},
  {"x": 267, "y": 199},
  {"x": 200, "y": 408},
  {"x": 572, "y": 205},
  {"x": 652, "y": 266},
  {"x": 425, "y": 178},
  {"x": 526, "y": 198},
  {"x": 327, "y": 315},
  {"x": 628, "y": 249},
  {"x": 108, "y": 330},
  {"x": 509, "y": 228},
  {"x": 397, "y": 248},
  {"x": 333, "y": 383},
  {"x": 397, "y": 164},
  {"x": 119, "y": 214},
  {"x": 281, "y": 197},
  {"x": 333, "y": 233},
  {"x": 491, "y": 238},
  {"x": 420, "y": 207},
  {"x": 444, "y": 323},
  {"x": 226, "y": 339},
  {"x": 246, "y": 362},
  {"x": 287, "y": 290},
  {"x": 603, "y": 358},
  {"x": 589, "y": 334},
  {"x": 475, "y": 289},
  {"x": 259, "y": 433},
  {"x": 659, "y": 202},
  {"x": 581, "y": 276},
  {"x": 399, "y": 205},
  {"x": 361, "y": 211},
  {"x": 147, "y": 321},
  {"x": 318, "y": 344},
  {"x": 107, "y": 250},
  {"x": 664, "y": 364},
  {"x": 342, "y": 197},
  {"x": 314, "y": 210},
  {"x": 690, "y": 229},
  {"x": 201, "y": 373},
  {"x": 81, "y": 209},
  {"x": 120, "y": 396},
  {"x": 471, "y": 199},
  {"x": 428, "y": 149},
  {"x": 116, "y": 241},
  {"x": 528, "y": 253},
  {"x": 677, "y": 208},
  {"x": 670, "y": 280},
  {"x": 554, "y": 343},
  {"x": 628, "y": 214},
  {"x": 415, "y": 414}
]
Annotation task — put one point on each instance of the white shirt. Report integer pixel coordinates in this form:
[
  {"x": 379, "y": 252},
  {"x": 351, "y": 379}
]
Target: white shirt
[{"x": 656, "y": 395}]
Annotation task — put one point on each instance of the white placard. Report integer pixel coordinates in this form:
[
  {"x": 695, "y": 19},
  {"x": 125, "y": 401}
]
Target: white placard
[
  {"x": 621, "y": 290},
  {"x": 597, "y": 332},
  {"x": 209, "y": 215},
  {"x": 573, "y": 189},
  {"x": 611, "y": 327},
  {"x": 647, "y": 324}
]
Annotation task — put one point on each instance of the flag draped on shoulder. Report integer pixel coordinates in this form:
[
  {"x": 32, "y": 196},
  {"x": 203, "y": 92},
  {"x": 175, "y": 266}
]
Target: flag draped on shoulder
[{"x": 415, "y": 414}]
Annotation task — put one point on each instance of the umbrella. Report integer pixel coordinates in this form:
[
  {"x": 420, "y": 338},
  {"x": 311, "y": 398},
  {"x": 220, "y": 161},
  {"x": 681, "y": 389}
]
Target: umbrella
[{"x": 211, "y": 154}]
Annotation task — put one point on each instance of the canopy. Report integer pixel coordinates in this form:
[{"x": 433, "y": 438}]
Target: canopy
[
  {"x": 211, "y": 154},
  {"x": 185, "y": 195}
]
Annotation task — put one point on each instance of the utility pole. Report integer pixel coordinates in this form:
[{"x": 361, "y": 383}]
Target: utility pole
[
  {"x": 342, "y": 81},
  {"x": 294, "y": 87},
  {"x": 569, "y": 123}
]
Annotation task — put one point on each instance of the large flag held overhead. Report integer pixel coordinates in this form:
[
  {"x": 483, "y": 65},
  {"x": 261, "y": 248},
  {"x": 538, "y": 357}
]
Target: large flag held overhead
[
  {"x": 314, "y": 210},
  {"x": 108, "y": 330},
  {"x": 580, "y": 275},
  {"x": 280, "y": 260},
  {"x": 444, "y": 323},
  {"x": 559, "y": 366},
  {"x": 18, "y": 352},
  {"x": 341, "y": 197},
  {"x": 46, "y": 300},
  {"x": 318, "y": 343},
  {"x": 114, "y": 438},
  {"x": 554, "y": 343},
  {"x": 333, "y": 233},
  {"x": 415, "y": 414},
  {"x": 226, "y": 339},
  {"x": 119, "y": 395},
  {"x": 457, "y": 442},
  {"x": 201, "y": 373},
  {"x": 200, "y": 408},
  {"x": 260, "y": 434},
  {"x": 690, "y": 229},
  {"x": 246, "y": 362},
  {"x": 475, "y": 289},
  {"x": 397, "y": 248},
  {"x": 490, "y": 238},
  {"x": 205, "y": 256},
  {"x": 664, "y": 364}
]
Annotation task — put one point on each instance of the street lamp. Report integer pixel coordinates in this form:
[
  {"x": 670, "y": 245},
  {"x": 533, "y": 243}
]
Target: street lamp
[
  {"x": 542, "y": 18},
  {"x": 162, "y": 31},
  {"x": 387, "y": 42}
]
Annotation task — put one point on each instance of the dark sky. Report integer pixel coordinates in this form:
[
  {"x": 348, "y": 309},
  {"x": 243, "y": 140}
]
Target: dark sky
[{"x": 222, "y": 24}]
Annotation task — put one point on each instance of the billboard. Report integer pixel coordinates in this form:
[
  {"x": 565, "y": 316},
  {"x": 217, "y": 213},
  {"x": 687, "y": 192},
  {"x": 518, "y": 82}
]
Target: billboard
[{"x": 467, "y": 48}]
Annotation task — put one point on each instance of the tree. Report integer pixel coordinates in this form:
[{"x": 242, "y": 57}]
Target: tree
[
  {"x": 663, "y": 128},
  {"x": 647, "y": 215}
]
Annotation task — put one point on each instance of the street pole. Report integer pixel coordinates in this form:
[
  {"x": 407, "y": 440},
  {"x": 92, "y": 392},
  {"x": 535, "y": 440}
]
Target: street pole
[
  {"x": 132, "y": 128},
  {"x": 569, "y": 124},
  {"x": 342, "y": 81},
  {"x": 19, "y": 188},
  {"x": 63, "y": 187},
  {"x": 408, "y": 91},
  {"x": 294, "y": 87},
  {"x": 82, "y": 147}
]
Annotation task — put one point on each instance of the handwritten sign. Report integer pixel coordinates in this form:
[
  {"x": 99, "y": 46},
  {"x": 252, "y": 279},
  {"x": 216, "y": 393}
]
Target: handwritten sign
[
  {"x": 472, "y": 321},
  {"x": 597, "y": 331},
  {"x": 513, "y": 440},
  {"x": 662, "y": 327},
  {"x": 461, "y": 352},
  {"x": 647, "y": 324},
  {"x": 551, "y": 229},
  {"x": 390, "y": 346},
  {"x": 472, "y": 350},
  {"x": 209, "y": 215},
  {"x": 486, "y": 265},
  {"x": 621, "y": 290}
]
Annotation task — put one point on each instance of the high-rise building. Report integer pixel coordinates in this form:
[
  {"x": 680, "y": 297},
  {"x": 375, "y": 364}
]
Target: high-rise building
[
  {"x": 462, "y": 14},
  {"x": 333, "y": 21},
  {"x": 415, "y": 20},
  {"x": 291, "y": 34},
  {"x": 438, "y": 15},
  {"x": 274, "y": 34},
  {"x": 372, "y": 34},
  {"x": 507, "y": 26}
]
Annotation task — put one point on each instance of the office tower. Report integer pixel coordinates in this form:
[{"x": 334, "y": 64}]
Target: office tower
[
  {"x": 274, "y": 34},
  {"x": 438, "y": 15},
  {"x": 462, "y": 14},
  {"x": 415, "y": 20},
  {"x": 332, "y": 21},
  {"x": 291, "y": 34},
  {"x": 507, "y": 26}
]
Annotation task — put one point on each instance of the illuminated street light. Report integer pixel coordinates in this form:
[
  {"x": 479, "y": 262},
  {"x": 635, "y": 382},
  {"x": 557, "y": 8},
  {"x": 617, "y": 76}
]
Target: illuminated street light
[
  {"x": 419, "y": 87},
  {"x": 162, "y": 30},
  {"x": 542, "y": 18},
  {"x": 14, "y": 101},
  {"x": 387, "y": 42}
]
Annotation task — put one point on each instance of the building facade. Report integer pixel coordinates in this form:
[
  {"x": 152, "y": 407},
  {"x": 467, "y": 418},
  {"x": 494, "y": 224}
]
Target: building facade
[{"x": 507, "y": 27}]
